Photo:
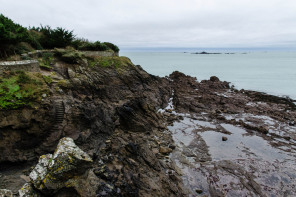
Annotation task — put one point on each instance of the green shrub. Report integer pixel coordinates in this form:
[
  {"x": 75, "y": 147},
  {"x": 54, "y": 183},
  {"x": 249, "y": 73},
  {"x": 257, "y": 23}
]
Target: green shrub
[
  {"x": 34, "y": 37},
  {"x": 96, "y": 46},
  {"x": 47, "y": 79},
  {"x": 46, "y": 60},
  {"x": 54, "y": 38},
  {"x": 78, "y": 42},
  {"x": 85, "y": 45},
  {"x": 15, "y": 39},
  {"x": 10, "y": 32},
  {"x": 11, "y": 35},
  {"x": 23, "y": 78},
  {"x": 112, "y": 46}
]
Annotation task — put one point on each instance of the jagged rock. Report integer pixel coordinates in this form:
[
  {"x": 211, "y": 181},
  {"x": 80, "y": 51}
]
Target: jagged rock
[
  {"x": 5, "y": 193},
  {"x": 214, "y": 79},
  {"x": 71, "y": 73},
  {"x": 111, "y": 114},
  {"x": 199, "y": 191},
  {"x": 224, "y": 138},
  {"x": 134, "y": 116},
  {"x": 165, "y": 150},
  {"x": 28, "y": 190},
  {"x": 62, "y": 169},
  {"x": 41, "y": 170}
]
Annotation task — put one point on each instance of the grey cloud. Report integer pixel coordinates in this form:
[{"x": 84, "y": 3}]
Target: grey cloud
[{"x": 187, "y": 23}]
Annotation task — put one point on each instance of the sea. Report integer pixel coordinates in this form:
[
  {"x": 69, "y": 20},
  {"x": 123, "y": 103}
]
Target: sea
[{"x": 266, "y": 70}]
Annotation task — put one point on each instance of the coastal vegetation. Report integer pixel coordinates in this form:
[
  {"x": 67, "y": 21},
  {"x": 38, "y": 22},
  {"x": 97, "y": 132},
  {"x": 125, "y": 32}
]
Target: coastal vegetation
[
  {"x": 16, "y": 39},
  {"x": 18, "y": 89},
  {"x": 116, "y": 62},
  {"x": 46, "y": 60}
]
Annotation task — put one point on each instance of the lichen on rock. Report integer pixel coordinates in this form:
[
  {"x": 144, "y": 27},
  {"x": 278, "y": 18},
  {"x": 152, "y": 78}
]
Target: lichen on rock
[
  {"x": 63, "y": 169},
  {"x": 40, "y": 171},
  {"x": 5, "y": 193},
  {"x": 28, "y": 191}
]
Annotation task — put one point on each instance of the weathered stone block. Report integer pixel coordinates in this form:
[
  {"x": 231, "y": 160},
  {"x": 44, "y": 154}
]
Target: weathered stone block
[{"x": 25, "y": 65}]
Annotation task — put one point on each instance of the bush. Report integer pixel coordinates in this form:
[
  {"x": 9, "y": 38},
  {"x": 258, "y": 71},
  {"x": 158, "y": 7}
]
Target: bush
[
  {"x": 78, "y": 42},
  {"x": 46, "y": 61},
  {"x": 85, "y": 45},
  {"x": 11, "y": 35},
  {"x": 15, "y": 39},
  {"x": 23, "y": 78},
  {"x": 96, "y": 46},
  {"x": 34, "y": 37},
  {"x": 55, "y": 38},
  {"x": 10, "y": 32},
  {"x": 112, "y": 46}
]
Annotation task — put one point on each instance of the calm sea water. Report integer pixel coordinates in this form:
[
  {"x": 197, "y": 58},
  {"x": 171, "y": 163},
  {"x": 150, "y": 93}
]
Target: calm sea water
[{"x": 270, "y": 72}]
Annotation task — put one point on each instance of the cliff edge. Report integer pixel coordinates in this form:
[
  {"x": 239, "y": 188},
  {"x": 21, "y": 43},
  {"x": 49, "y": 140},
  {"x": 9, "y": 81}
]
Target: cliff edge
[{"x": 145, "y": 135}]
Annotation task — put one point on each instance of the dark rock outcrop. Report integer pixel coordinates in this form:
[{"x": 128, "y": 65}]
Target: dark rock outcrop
[
  {"x": 111, "y": 114},
  {"x": 67, "y": 168}
]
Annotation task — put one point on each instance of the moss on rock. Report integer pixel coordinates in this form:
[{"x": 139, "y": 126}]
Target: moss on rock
[
  {"x": 18, "y": 89},
  {"x": 69, "y": 55},
  {"x": 116, "y": 62}
]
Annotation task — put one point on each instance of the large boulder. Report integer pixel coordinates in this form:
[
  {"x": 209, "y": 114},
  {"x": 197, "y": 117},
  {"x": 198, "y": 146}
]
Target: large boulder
[
  {"x": 28, "y": 191},
  {"x": 68, "y": 167}
]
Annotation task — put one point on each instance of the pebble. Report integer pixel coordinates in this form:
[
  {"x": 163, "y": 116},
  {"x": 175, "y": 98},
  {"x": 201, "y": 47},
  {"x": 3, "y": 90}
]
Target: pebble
[
  {"x": 171, "y": 146},
  {"x": 224, "y": 138},
  {"x": 165, "y": 150}
]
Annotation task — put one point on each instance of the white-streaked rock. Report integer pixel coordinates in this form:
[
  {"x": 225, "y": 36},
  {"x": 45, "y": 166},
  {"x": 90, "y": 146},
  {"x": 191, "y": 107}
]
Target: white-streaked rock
[
  {"x": 28, "y": 191},
  {"x": 5, "y": 193},
  {"x": 62, "y": 169},
  {"x": 41, "y": 170}
]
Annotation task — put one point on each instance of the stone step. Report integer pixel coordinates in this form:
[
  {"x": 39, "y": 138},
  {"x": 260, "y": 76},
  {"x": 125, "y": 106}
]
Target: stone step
[{"x": 59, "y": 116}]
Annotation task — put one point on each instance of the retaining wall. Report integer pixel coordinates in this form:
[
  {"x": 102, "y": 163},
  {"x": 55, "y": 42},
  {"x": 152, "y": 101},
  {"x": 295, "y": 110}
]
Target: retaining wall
[
  {"x": 99, "y": 53},
  {"x": 25, "y": 65}
]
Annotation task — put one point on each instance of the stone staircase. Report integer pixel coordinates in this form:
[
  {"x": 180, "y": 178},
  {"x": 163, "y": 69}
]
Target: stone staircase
[
  {"x": 59, "y": 115},
  {"x": 55, "y": 131}
]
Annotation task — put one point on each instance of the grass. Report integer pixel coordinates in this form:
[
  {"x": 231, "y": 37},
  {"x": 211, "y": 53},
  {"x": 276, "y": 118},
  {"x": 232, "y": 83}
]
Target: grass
[
  {"x": 45, "y": 61},
  {"x": 47, "y": 79},
  {"x": 18, "y": 89},
  {"x": 116, "y": 62}
]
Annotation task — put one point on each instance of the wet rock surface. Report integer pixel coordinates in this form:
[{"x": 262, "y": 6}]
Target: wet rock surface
[
  {"x": 150, "y": 136},
  {"x": 232, "y": 143}
]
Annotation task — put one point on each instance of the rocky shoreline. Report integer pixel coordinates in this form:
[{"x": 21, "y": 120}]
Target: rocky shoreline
[{"x": 152, "y": 136}]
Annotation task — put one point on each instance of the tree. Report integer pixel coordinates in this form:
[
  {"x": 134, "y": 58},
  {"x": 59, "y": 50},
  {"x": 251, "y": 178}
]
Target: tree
[{"x": 55, "y": 38}]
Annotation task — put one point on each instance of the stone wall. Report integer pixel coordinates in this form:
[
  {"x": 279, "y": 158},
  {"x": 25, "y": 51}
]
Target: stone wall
[
  {"x": 33, "y": 65},
  {"x": 38, "y": 53},
  {"x": 99, "y": 53},
  {"x": 25, "y": 65}
]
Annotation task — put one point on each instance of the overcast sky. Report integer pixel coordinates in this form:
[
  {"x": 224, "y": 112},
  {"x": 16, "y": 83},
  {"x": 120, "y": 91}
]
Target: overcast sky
[{"x": 165, "y": 23}]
